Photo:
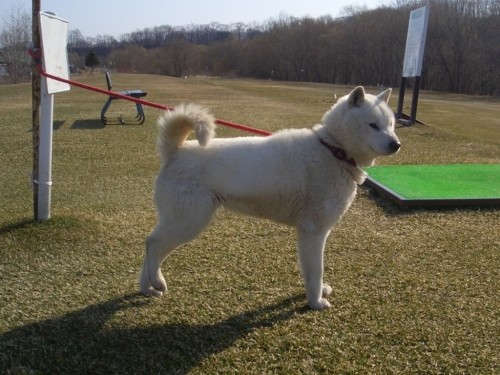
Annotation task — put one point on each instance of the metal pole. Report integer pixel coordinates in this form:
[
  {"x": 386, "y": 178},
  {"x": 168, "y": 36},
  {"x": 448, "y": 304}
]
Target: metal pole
[
  {"x": 414, "y": 101},
  {"x": 35, "y": 101},
  {"x": 399, "y": 113}
]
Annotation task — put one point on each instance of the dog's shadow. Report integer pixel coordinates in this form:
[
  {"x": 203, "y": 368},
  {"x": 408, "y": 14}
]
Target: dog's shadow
[{"x": 83, "y": 342}]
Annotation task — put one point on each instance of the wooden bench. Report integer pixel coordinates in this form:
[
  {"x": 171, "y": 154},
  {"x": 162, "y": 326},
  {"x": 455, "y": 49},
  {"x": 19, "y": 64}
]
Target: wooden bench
[{"x": 140, "y": 117}]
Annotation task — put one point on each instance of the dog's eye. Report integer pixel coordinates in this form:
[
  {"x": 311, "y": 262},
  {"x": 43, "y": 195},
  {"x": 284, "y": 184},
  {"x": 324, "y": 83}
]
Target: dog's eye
[{"x": 374, "y": 126}]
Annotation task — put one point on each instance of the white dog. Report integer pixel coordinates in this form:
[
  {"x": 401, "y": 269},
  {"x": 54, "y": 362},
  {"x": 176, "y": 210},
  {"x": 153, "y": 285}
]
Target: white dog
[{"x": 301, "y": 177}]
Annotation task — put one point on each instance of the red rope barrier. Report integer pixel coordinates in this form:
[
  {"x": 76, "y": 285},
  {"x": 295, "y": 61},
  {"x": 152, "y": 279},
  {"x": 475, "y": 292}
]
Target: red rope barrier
[{"x": 36, "y": 57}]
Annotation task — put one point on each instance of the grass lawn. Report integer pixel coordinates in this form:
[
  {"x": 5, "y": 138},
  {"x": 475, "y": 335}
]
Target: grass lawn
[{"x": 414, "y": 291}]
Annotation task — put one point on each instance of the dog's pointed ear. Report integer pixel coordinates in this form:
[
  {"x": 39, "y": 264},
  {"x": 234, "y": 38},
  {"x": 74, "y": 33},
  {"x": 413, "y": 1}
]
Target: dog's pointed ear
[
  {"x": 357, "y": 96},
  {"x": 385, "y": 95}
]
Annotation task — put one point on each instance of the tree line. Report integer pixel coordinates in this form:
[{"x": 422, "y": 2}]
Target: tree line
[{"x": 360, "y": 47}]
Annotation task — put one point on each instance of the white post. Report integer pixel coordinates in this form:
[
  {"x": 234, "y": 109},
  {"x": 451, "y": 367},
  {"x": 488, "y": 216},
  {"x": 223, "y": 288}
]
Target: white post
[
  {"x": 53, "y": 31},
  {"x": 45, "y": 152}
]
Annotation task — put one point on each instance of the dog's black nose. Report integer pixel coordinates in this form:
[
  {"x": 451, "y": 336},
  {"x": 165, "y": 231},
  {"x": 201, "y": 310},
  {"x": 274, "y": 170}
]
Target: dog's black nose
[{"x": 394, "y": 146}]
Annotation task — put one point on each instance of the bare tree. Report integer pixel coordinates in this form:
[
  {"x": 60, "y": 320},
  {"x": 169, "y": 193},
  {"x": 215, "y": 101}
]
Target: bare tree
[
  {"x": 178, "y": 56},
  {"x": 129, "y": 59},
  {"x": 361, "y": 46},
  {"x": 15, "y": 37}
]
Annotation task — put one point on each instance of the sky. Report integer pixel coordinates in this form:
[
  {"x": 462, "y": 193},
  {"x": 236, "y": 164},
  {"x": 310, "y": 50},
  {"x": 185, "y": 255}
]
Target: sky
[{"x": 117, "y": 17}]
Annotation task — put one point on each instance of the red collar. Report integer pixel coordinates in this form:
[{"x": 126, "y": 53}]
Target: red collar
[{"x": 338, "y": 153}]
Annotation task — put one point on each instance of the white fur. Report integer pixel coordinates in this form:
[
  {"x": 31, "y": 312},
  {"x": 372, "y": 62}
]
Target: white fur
[{"x": 289, "y": 177}]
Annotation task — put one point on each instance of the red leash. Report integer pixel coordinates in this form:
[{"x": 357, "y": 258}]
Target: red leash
[{"x": 37, "y": 58}]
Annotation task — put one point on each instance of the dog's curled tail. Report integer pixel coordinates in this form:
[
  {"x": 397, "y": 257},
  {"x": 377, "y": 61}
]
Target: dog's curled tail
[{"x": 175, "y": 126}]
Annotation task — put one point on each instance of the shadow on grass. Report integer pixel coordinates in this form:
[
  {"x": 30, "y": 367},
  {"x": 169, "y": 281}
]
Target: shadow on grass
[
  {"x": 87, "y": 124},
  {"x": 83, "y": 342},
  {"x": 29, "y": 223},
  {"x": 95, "y": 124},
  {"x": 23, "y": 223},
  {"x": 58, "y": 124}
]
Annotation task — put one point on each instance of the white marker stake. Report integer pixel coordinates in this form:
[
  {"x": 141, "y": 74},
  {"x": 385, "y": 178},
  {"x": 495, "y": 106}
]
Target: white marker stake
[
  {"x": 54, "y": 32},
  {"x": 45, "y": 152}
]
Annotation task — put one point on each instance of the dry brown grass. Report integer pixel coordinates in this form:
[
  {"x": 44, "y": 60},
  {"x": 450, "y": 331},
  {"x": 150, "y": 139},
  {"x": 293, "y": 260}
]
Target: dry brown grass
[{"x": 414, "y": 292}]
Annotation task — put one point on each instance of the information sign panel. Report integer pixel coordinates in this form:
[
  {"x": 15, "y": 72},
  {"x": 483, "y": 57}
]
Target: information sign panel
[
  {"x": 54, "y": 33},
  {"x": 415, "y": 42}
]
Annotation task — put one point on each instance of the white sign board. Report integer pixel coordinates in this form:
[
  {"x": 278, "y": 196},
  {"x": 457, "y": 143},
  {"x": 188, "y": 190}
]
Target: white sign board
[
  {"x": 415, "y": 42},
  {"x": 54, "y": 33}
]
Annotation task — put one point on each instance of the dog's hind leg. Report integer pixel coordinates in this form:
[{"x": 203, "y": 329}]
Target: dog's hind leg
[
  {"x": 311, "y": 247},
  {"x": 157, "y": 249},
  {"x": 171, "y": 232}
]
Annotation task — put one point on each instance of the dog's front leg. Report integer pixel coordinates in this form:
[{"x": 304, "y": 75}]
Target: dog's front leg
[{"x": 311, "y": 247}]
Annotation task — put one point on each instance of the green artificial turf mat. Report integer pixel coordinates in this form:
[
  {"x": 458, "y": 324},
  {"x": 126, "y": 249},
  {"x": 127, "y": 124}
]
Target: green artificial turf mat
[{"x": 439, "y": 182}]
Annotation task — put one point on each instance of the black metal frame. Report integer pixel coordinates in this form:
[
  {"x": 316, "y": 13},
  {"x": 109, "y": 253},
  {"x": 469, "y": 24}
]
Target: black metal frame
[{"x": 139, "y": 118}]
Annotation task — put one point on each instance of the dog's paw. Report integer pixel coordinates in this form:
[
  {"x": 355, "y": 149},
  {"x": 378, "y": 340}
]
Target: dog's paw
[
  {"x": 320, "y": 305},
  {"x": 158, "y": 283},
  {"x": 326, "y": 290},
  {"x": 151, "y": 292}
]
